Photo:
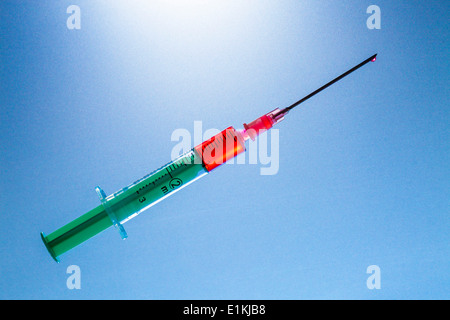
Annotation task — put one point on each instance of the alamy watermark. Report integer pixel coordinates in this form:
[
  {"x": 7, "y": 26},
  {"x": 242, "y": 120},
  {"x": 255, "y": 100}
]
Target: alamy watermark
[
  {"x": 265, "y": 150},
  {"x": 374, "y": 21},
  {"x": 74, "y": 20},
  {"x": 74, "y": 280},
  {"x": 374, "y": 280}
]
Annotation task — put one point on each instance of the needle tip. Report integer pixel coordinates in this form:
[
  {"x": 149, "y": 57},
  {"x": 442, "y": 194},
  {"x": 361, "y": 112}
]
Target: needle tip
[{"x": 374, "y": 58}]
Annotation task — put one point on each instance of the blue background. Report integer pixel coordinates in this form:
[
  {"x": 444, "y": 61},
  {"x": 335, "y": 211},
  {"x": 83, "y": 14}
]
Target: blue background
[{"x": 364, "y": 166}]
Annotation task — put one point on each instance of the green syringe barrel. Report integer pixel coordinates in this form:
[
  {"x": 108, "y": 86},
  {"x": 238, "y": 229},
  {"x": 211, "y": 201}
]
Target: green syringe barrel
[{"x": 126, "y": 203}]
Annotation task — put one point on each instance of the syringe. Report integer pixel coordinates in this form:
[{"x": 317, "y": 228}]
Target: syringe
[{"x": 142, "y": 194}]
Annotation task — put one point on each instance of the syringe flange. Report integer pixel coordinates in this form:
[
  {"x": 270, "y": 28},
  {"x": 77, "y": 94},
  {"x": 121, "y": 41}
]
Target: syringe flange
[{"x": 116, "y": 223}]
